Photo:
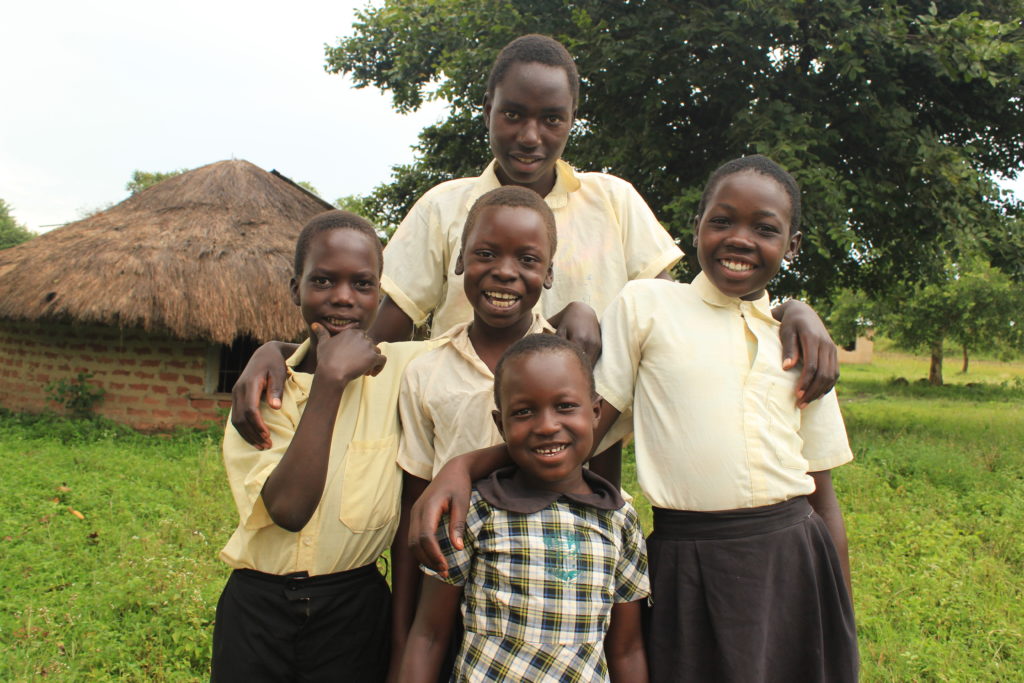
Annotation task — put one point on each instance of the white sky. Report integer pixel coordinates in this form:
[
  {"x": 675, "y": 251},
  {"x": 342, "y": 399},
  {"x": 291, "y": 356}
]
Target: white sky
[{"x": 94, "y": 90}]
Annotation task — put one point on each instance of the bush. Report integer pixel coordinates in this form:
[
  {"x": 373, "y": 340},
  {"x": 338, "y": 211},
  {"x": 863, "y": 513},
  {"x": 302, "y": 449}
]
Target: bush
[{"x": 76, "y": 396}]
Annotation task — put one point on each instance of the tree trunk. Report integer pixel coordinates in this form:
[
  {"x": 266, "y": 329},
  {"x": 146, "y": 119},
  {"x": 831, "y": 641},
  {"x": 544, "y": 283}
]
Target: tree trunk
[
  {"x": 935, "y": 371},
  {"x": 964, "y": 368}
]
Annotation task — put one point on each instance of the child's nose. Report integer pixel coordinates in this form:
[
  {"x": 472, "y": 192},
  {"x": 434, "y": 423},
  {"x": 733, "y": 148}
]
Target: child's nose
[
  {"x": 529, "y": 133},
  {"x": 740, "y": 238},
  {"x": 547, "y": 422},
  {"x": 342, "y": 295},
  {"x": 505, "y": 269}
]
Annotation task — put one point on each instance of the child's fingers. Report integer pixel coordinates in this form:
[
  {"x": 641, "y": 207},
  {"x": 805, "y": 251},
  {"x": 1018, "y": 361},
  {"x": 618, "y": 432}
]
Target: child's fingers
[
  {"x": 819, "y": 374},
  {"x": 424, "y": 520},
  {"x": 790, "y": 349},
  {"x": 246, "y": 417},
  {"x": 275, "y": 386},
  {"x": 378, "y": 364},
  {"x": 321, "y": 333}
]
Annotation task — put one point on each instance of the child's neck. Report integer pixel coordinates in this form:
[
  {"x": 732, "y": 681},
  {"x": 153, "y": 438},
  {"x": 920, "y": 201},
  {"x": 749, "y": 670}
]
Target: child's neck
[
  {"x": 575, "y": 484},
  {"x": 491, "y": 342}
]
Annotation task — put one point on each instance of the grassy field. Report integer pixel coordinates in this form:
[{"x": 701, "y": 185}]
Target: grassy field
[{"x": 109, "y": 539}]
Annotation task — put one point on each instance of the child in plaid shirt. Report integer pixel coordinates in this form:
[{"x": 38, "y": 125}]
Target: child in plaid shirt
[{"x": 553, "y": 567}]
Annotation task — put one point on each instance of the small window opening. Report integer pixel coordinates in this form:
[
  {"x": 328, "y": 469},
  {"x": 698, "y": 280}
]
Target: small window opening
[{"x": 232, "y": 361}]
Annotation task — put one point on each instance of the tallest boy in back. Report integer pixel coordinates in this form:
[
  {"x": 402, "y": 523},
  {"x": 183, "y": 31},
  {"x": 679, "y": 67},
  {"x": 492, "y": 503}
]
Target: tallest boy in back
[{"x": 607, "y": 234}]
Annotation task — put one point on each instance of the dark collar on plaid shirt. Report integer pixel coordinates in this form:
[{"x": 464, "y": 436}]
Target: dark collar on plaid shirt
[{"x": 503, "y": 491}]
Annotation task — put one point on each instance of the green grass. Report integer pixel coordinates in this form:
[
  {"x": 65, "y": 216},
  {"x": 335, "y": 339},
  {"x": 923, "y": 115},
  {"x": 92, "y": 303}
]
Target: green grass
[
  {"x": 128, "y": 592},
  {"x": 934, "y": 505}
]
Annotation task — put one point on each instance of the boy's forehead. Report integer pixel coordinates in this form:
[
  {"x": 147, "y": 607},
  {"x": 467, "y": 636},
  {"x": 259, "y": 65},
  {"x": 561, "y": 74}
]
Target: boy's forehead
[
  {"x": 342, "y": 241},
  {"x": 502, "y": 221},
  {"x": 537, "y": 364}
]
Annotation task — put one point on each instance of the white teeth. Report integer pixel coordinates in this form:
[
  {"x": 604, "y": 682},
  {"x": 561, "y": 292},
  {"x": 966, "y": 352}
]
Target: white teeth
[
  {"x": 339, "y": 322},
  {"x": 549, "y": 450},
  {"x": 502, "y": 299},
  {"x": 736, "y": 266}
]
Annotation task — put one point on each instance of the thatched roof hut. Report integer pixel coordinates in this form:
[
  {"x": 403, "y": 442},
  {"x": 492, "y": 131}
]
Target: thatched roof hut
[{"x": 203, "y": 255}]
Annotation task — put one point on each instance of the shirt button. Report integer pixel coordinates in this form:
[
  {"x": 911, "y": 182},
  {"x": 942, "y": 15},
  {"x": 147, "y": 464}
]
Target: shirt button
[{"x": 307, "y": 541}]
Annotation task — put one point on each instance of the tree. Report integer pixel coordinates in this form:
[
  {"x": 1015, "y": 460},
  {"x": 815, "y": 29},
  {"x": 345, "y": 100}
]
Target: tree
[
  {"x": 308, "y": 187},
  {"x": 892, "y": 115},
  {"x": 12, "y": 233},
  {"x": 142, "y": 180},
  {"x": 975, "y": 306}
]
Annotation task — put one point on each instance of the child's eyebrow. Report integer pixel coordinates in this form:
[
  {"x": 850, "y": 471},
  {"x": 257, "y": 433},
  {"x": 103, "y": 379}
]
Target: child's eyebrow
[
  {"x": 759, "y": 212},
  {"x": 512, "y": 104}
]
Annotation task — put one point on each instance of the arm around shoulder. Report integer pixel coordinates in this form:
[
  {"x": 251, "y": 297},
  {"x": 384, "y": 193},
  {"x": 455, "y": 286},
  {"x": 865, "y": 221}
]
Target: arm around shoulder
[{"x": 264, "y": 375}]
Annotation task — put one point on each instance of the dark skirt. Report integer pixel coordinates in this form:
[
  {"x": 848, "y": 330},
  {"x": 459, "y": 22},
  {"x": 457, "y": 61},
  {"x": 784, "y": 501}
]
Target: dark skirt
[{"x": 750, "y": 596}]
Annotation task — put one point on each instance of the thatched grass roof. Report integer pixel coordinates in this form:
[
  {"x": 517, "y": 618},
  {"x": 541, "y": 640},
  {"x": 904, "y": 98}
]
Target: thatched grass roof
[{"x": 203, "y": 255}]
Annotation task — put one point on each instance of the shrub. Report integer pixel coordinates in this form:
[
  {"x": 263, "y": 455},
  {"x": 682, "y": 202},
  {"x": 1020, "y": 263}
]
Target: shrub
[{"x": 76, "y": 396}]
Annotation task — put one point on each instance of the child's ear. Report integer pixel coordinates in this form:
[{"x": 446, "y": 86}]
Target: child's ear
[
  {"x": 293, "y": 284},
  {"x": 549, "y": 279},
  {"x": 460, "y": 267},
  {"x": 598, "y": 405},
  {"x": 496, "y": 416},
  {"x": 487, "y": 109},
  {"x": 795, "y": 240}
]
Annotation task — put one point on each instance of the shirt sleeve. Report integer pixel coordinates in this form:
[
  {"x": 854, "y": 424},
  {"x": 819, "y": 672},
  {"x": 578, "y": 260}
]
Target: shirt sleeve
[
  {"x": 631, "y": 579},
  {"x": 824, "y": 434},
  {"x": 416, "y": 261},
  {"x": 460, "y": 561},
  {"x": 248, "y": 468},
  {"x": 416, "y": 453},
  {"x": 649, "y": 249},
  {"x": 615, "y": 374}
]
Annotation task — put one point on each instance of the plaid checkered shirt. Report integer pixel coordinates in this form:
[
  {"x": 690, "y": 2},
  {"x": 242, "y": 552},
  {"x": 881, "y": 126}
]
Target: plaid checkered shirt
[{"x": 538, "y": 588}]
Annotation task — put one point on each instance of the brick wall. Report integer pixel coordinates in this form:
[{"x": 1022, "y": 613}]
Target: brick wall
[{"x": 152, "y": 381}]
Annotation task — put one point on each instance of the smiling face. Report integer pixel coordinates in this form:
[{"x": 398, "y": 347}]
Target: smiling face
[
  {"x": 339, "y": 286},
  {"x": 743, "y": 235},
  {"x": 547, "y": 416},
  {"x": 529, "y": 117},
  {"x": 505, "y": 264}
]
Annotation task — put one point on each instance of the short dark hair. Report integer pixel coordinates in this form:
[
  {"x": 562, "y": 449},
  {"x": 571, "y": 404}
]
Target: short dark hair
[
  {"x": 542, "y": 343},
  {"x": 757, "y": 163},
  {"x": 514, "y": 196},
  {"x": 335, "y": 220},
  {"x": 532, "y": 48}
]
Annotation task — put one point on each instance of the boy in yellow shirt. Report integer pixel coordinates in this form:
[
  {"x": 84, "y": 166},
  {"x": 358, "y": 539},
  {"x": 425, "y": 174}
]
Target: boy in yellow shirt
[{"x": 305, "y": 600}]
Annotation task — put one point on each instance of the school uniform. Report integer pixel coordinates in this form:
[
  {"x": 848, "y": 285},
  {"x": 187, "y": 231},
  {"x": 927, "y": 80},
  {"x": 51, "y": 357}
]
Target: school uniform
[
  {"x": 540, "y": 573},
  {"x": 607, "y": 236},
  {"x": 745, "y": 579},
  {"x": 312, "y": 603},
  {"x": 446, "y": 402}
]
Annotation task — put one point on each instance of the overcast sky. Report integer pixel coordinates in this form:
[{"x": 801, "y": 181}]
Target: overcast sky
[{"x": 94, "y": 90}]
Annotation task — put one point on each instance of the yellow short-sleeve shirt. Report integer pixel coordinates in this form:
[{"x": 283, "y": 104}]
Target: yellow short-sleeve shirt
[
  {"x": 358, "y": 512},
  {"x": 716, "y": 426},
  {"x": 607, "y": 236},
  {"x": 446, "y": 403}
]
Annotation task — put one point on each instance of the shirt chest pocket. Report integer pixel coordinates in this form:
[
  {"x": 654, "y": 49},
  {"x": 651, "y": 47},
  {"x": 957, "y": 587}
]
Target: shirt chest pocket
[{"x": 370, "y": 484}]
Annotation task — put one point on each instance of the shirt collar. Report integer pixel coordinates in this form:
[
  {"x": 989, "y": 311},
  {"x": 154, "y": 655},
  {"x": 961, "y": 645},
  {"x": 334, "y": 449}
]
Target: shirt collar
[
  {"x": 303, "y": 379},
  {"x": 714, "y": 297},
  {"x": 565, "y": 182},
  {"x": 502, "y": 491},
  {"x": 458, "y": 337}
]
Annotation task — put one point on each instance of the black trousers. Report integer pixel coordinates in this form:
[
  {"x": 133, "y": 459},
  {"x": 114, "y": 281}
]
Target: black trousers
[{"x": 334, "y": 627}]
